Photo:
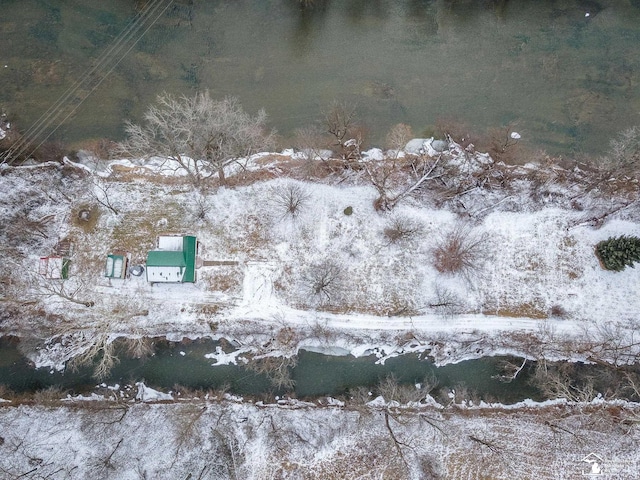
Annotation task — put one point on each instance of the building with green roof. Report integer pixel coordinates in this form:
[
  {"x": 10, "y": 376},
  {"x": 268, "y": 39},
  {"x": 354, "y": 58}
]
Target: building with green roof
[{"x": 174, "y": 261}]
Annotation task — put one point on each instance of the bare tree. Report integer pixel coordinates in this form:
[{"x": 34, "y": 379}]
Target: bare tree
[
  {"x": 341, "y": 123},
  {"x": 391, "y": 390},
  {"x": 387, "y": 173},
  {"x": 99, "y": 352},
  {"x": 446, "y": 302},
  {"x": 29, "y": 219},
  {"x": 310, "y": 142},
  {"x": 503, "y": 144},
  {"x": 400, "y": 228},
  {"x": 100, "y": 190},
  {"x": 75, "y": 288},
  {"x": 398, "y": 137},
  {"x": 22, "y": 224},
  {"x": 200, "y": 135},
  {"x": 460, "y": 252},
  {"x": 339, "y": 120},
  {"x": 562, "y": 381},
  {"x": 323, "y": 280},
  {"x": 509, "y": 371},
  {"x": 277, "y": 369},
  {"x": 289, "y": 199},
  {"x": 185, "y": 422},
  {"x": 96, "y": 345},
  {"x": 397, "y": 176}
]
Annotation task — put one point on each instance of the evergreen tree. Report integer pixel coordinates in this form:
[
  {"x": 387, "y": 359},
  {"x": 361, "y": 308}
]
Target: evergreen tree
[{"x": 616, "y": 253}]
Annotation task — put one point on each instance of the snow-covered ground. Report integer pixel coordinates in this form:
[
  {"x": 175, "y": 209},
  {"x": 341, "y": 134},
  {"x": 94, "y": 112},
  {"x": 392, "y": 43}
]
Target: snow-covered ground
[
  {"x": 231, "y": 440},
  {"x": 535, "y": 275}
]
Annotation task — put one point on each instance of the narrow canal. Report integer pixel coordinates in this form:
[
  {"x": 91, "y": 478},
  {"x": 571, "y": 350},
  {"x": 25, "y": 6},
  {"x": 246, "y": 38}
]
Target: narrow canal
[{"x": 315, "y": 374}]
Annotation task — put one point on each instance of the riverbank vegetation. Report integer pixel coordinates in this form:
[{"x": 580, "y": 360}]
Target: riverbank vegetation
[
  {"x": 229, "y": 439},
  {"x": 434, "y": 241}
]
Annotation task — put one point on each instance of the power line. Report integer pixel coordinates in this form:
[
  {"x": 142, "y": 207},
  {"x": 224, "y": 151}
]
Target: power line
[
  {"x": 54, "y": 110},
  {"x": 91, "y": 79},
  {"x": 100, "y": 80}
]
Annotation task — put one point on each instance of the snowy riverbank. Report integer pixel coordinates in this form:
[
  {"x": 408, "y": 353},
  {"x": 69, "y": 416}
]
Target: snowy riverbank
[
  {"x": 535, "y": 288},
  {"x": 228, "y": 439}
]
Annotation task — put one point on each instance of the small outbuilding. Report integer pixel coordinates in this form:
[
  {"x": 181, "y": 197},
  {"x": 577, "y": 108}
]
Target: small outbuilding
[
  {"x": 174, "y": 261},
  {"x": 54, "y": 267},
  {"x": 116, "y": 266}
]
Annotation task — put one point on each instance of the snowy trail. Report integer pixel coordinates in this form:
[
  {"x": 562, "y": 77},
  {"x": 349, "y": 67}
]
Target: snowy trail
[{"x": 428, "y": 323}]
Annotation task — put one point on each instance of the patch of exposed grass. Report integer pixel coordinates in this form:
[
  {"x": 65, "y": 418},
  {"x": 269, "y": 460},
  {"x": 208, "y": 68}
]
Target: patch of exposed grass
[
  {"x": 469, "y": 466},
  {"x": 50, "y": 396},
  {"x": 568, "y": 264},
  {"x": 529, "y": 310},
  {"x": 249, "y": 177},
  {"x": 529, "y": 262},
  {"x": 137, "y": 231},
  {"x": 572, "y": 274},
  {"x": 569, "y": 241},
  {"x": 225, "y": 279},
  {"x": 251, "y": 241},
  {"x": 208, "y": 308},
  {"x": 121, "y": 173},
  {"x": 378, "y": 459}
]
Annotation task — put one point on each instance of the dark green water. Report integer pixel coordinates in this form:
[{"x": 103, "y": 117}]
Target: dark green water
[
  {"x": 568, "y": 82},
  {"x": 322, "y": 374},
  {"x": 315, "y": 374}
]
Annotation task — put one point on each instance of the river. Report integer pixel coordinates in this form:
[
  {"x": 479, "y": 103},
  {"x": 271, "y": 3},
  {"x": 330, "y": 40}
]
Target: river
[
  {"x": 315, "y": 374},
  {"x": 564, "y": 73}
]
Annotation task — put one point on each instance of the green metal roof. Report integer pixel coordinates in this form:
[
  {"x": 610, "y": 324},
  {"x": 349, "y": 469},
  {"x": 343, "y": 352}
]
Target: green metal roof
[
  {"x": 189, "y": 249},
  {"x": 165, "y": 258},
  {"x": 173, "y": 258}
]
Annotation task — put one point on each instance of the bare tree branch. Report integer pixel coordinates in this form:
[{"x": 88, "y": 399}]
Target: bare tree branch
[{"x": 199, "y": 135}]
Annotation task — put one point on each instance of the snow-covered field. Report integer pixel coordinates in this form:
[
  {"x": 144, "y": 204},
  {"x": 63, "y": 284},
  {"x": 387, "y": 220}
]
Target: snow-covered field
[
  {"x": 535, "y": 274},
  {"x": 231, "y": 440}
]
